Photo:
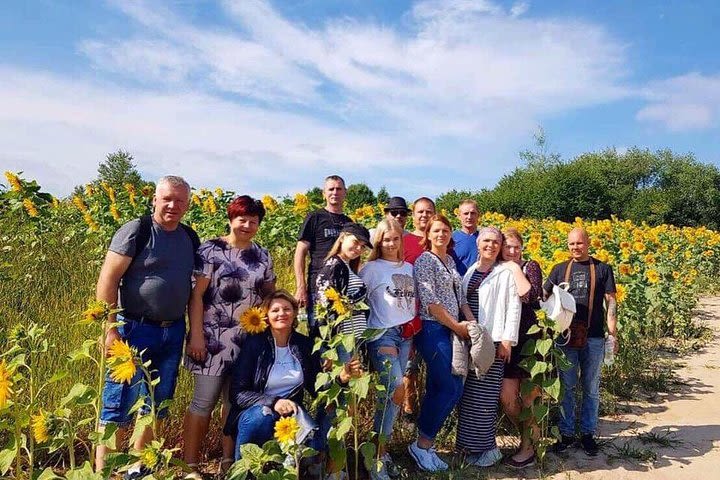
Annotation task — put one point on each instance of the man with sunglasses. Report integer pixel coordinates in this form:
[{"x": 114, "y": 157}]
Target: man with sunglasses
[
  {"x": 396, "y": 208},
  {"x": 464, "y": 251}
]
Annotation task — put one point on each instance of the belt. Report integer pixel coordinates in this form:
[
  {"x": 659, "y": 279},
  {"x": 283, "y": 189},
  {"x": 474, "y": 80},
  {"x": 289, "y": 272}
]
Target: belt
[{"x": 145, "y": 320}]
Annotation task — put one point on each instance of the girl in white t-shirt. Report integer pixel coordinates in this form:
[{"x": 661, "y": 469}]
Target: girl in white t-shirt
[{"x": 391, "y": 296}]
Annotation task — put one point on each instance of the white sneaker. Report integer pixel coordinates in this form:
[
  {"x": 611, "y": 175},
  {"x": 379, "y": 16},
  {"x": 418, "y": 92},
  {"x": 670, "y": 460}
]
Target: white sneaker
[
  {"x": 381, "y": 474},
  {"x": 392, "y": 469},
  {"x": 427, "y": 460},
  {"x": 341, "y": 475},
  {"x": 485, "y": 459}
]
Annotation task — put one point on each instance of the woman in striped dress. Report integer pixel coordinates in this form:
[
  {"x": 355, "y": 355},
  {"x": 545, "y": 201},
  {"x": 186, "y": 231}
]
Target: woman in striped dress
[{"x": 492, "y": 293}]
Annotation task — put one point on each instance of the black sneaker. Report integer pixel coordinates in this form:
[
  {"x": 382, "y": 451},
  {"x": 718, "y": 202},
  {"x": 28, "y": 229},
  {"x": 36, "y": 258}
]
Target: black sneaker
[
  {"x": 137, "y": 474},
  {"x": 589, "y": 445},
  {"x": 564, "y": 443}
]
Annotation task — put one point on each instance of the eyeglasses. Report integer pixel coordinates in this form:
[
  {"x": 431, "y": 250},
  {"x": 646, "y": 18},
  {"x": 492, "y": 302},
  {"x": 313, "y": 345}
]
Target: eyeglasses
[{"x": 398, "y": 213}]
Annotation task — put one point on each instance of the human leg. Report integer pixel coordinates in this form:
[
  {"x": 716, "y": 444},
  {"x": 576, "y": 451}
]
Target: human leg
[
  {"x": 255, "y": 425},
  {"x": 568, "y": 379},
  {"x": 197, "y": 418}
]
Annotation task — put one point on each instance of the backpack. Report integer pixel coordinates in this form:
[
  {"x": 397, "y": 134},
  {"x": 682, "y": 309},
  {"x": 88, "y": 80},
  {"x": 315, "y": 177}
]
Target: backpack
[{"x": 145, "y": 230}]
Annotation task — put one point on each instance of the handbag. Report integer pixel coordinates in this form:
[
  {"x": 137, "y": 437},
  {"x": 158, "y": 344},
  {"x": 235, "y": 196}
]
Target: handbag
[
  {"x": 560, "y": 307},
  {"x": 579, "y": 330}
]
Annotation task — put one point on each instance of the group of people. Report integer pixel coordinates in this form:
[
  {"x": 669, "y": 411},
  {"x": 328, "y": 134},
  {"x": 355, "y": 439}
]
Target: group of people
[{"x": 431, "y": 294}]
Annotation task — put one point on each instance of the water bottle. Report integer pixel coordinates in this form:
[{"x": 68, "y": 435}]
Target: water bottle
[{"x": 609, "y": 350}]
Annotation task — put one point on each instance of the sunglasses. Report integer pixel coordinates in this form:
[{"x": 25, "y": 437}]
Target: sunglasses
[{"x": 398, "y": 213}]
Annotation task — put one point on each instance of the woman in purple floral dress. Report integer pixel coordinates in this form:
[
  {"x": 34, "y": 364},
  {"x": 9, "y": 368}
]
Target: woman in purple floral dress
[{"x": 236, "y": 275}]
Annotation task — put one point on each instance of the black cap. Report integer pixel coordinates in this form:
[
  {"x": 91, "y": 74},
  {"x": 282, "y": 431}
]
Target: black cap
[
  {"x": 357, "y": 230},
  {"x": 396, "y": 203}
]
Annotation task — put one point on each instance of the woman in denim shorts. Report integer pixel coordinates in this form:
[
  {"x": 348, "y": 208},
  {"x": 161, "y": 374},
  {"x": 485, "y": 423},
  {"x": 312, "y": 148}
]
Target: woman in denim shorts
[{"x": 391, "y": 296}]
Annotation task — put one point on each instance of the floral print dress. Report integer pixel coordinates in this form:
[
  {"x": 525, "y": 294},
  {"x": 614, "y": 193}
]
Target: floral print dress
[{"x": 236, "y": 279}]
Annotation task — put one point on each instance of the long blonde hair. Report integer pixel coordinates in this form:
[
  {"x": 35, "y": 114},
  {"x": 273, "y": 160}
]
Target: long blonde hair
[
  {"x": 385, "y": 226},
  {"x": 355, "y": 262}
]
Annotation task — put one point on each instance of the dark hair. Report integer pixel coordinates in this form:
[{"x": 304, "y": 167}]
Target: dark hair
[
  {"x": 246, "y": 205},
  {"x": 424, "y": 199},
  {"x": 335, "y": 178},
  {"x": 282, "y": 294},
  {"x": 425, "y": 242}
]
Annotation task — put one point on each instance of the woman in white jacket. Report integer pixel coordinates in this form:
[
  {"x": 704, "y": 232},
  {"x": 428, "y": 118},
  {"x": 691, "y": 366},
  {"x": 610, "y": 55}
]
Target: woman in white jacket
[{"x": 493, "y": 292}]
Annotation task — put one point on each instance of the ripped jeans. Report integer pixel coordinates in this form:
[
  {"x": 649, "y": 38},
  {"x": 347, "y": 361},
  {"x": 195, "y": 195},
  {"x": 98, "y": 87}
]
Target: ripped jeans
[{"x": 391, "y": 368}]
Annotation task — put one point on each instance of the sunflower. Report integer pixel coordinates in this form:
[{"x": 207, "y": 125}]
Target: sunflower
[
  {"x": 625, "y": 269},
  {"x": 653, "y": 276},
  {"x": 269, "y": 203},
  {"x": 621, "y": 293},
  {"x": 30, "y": 207},
  {"x": 41, "y": 432},
  {"x": 340, "y": 308},
  {"x": 253, "y": 321},
  {"x": 332, "y": 295},
  {"x": 114, "y": 212},
  {"x": 122, "y": 362},
  {"x": 79, "y": 203},
  {"x": 285, "y": 429},
  {"x": 149, "y": 457},
  {"x": 96, "y": 311},
  {"x": 639, "y": 247},
  {"x": 14, "y": 181},
  {"x": 6, "y": 383}
]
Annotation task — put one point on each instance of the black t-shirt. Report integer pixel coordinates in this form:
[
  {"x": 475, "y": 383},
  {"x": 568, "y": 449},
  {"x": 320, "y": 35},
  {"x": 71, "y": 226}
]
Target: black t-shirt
[
  {"x": 580, "y": 289},
  {"x": 320, "y": 229}
]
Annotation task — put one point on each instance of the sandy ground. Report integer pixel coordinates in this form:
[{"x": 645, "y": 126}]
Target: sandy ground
[{"x": 692, "y": 413}]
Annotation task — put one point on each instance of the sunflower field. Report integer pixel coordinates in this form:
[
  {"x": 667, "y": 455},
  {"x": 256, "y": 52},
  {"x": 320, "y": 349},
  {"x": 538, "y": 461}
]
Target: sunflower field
[{"x": 51, "y": 250}]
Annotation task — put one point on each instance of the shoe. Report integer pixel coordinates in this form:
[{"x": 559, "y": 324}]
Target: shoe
[
  {"x": 589, "y": 445},
  {"x": 426, "y": 460},
  {"x": 485, "y": 459},
  {"x": 136, "y": 473},
  {"x": 512, "y": 463},
  {"x": 564, "y": 443},
  {"x": 393, "y": 470},
  {"x": 381, "y": 474}
]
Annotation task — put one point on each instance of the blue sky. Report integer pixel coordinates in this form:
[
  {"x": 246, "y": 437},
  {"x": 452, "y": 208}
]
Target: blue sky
[{"x": 420, "y": 96}]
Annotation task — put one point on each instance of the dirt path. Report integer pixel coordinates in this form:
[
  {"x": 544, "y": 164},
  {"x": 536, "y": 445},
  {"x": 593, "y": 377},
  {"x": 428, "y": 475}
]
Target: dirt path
[{"x": 692, "y": 414}]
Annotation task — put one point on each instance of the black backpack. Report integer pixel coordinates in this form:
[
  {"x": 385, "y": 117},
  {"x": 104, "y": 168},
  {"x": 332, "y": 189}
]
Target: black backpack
[{"x": 143, "y": 237}]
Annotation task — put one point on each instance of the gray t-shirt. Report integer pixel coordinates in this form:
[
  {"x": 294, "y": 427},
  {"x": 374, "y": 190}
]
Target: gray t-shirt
[{"x": 157, "y": 283}]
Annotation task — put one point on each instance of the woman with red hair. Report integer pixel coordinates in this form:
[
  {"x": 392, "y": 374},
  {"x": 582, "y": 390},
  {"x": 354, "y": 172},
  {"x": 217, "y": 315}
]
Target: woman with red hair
[{"x": 236, "y": 275}]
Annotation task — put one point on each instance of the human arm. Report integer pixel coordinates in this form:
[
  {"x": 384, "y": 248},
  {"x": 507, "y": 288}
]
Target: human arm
[
  {"x": 301, "y": 250},
  {"x": 243, "y": 391},
  {"x": 427, "y": 276},
  {"x": 197, "y": 348},
  {"x": 513, "y": 311},
  {"x": 113, "y": 268},
  {"x": 611, "y": 320},
  {"x": 522, "y": 285}
]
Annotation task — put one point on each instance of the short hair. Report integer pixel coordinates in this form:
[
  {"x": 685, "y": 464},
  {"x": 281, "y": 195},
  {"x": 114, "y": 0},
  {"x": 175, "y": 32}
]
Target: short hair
[
  {"x": 425, "y": 242},
  {"x": 282, "y": 294},
  {"x": 468, "y": 201},
  {"x": 386, "y": 225},
  {"x": 423, "y": 199},
  {"x": 173, "y": 181},
  {"x": 335, "y": 178},
  {"x": 246, "y": 205}
]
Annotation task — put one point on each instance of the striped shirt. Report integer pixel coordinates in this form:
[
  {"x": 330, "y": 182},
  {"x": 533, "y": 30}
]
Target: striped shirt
[{"x": 356, "y": 324}]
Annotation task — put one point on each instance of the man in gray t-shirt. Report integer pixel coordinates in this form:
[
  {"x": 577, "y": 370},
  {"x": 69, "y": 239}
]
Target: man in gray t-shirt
[{"x": 148, "y": 273}]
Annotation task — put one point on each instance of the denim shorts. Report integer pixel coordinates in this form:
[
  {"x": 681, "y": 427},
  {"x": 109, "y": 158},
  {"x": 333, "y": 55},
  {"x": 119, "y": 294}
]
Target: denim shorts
[{"x": 163, "y": 347}]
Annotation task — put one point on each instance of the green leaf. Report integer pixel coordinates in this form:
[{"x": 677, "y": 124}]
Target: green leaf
[
  {"x": 343, "y": 427},
  {"x": 368, "y": 450},
  {"x": 543, "y": 346},
  {"x": 48, "y": 474},
  {"x": 538, "y": 368},
  {"x": 551, "y": 386},
  {"x": 7, "y": 457},
  {"x": 361, "y": 386},
  {"x": 528, "y": 348},
  {"x": 140, "y": 424},
  {"x": 85, "y": 472},
  {"x": 80, "y": 394},
  {"x": 540, "y": 411},
  {"x": 348, "y": 342},
  {"x": 533, "y": 330},
  {"x": 57, "y": 376}
]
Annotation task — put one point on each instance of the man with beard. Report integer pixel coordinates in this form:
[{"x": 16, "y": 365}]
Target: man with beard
[
  {"x": 317, "y": 235},
  {"x": 147, "y": 272}
]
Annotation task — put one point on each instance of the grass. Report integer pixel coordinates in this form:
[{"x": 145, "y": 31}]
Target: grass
[{"x": 665, "y": 438}]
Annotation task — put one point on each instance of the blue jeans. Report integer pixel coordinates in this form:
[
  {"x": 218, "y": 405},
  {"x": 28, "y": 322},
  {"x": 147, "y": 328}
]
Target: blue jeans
[
  {"x": 442, "y": 388},
  {"x": 255, "y": 425},
  {"x": 390, "y": 367},
  {"x": 163, "y": 346},
  {"x": 325, "y": 416},
  {"x": 589, "y": 360}
]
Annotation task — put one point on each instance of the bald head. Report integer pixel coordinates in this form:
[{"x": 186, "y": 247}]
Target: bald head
[{"x": 578, "y": 244}]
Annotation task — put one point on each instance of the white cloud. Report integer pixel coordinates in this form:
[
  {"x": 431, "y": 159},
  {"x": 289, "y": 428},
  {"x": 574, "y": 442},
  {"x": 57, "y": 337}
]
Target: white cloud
[
  {"x": 264, "y": 93},
  {"x": 686, "y": 102}
]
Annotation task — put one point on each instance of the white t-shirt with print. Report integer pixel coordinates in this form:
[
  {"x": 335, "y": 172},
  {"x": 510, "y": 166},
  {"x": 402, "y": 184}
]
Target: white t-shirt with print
[{"x": 391, "y": 293}]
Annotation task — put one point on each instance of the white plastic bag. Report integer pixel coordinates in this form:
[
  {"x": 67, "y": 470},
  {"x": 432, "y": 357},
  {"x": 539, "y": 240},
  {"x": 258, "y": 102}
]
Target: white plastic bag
[{"x": 560, "y": 306}]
